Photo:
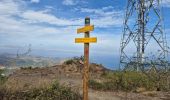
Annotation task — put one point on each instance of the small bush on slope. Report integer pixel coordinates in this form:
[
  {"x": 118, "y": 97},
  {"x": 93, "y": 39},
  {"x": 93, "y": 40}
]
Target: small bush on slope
[
  {"x": 127, "y": 81},
  {"x": 53, "y": 92},
  {"x": 2, "y": 78}
]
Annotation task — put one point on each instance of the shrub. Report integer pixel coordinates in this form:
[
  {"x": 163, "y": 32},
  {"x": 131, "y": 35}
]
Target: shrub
[
  {"x": 128, "y": 81},
  {"x": 96, "y": 85},
  {"x": 27, "y": 68},
  {"x": 104, "y": 86},
  {"x": 53, "y": 92},
  {"x": 70, "y": 61},
  {"x": 2, "y": 77},
  {"x": 74, "y": 60}
]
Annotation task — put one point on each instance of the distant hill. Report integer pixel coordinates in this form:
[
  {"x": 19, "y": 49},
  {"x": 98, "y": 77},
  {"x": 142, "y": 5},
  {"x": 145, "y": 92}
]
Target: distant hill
[{"x": 10, "y": 60}]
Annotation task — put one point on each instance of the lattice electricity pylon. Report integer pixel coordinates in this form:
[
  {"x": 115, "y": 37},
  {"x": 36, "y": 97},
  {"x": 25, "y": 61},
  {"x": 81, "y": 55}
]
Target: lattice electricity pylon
[{"x": 143, "y": 44}]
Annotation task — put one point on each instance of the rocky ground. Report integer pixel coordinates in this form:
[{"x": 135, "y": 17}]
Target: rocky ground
[{"x": 69, "y": 74}]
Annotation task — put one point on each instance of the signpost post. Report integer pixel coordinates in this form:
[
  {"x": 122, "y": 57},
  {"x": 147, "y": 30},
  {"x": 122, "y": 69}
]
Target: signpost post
[{"x": 86, "y": 40}]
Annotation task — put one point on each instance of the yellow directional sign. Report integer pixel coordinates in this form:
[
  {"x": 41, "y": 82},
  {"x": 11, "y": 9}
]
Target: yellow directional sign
[
  {"x": 86, "y": 40},
  {"x": 85, "y": 29}
]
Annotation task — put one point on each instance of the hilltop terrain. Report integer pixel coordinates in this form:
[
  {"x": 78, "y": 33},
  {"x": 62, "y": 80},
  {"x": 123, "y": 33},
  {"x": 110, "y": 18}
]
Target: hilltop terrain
[{"x": 69, "y": 74}]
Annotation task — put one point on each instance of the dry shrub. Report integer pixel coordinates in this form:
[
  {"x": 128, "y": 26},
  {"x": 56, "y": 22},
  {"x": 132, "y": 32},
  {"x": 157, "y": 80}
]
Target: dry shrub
[
  {"x": 53, "y": 92},
  {"x": 127, "y": 81}
]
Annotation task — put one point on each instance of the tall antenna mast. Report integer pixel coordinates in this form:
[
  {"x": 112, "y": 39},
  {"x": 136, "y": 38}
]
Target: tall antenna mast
[{"x": 143, "y": 44}]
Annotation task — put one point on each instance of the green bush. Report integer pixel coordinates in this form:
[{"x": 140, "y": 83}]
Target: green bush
[
  {"x": 2, "y": 78},
  {"x": 27, "y": 68},
  {"x": 96, "y": 85},
  {"x": 128, "y": 81},
  {"x": 103, "y": 86},
  {"x": 74, "y": 60},
  {"x": 53, "y": 92},
  {"x": 70, "y": 61}
]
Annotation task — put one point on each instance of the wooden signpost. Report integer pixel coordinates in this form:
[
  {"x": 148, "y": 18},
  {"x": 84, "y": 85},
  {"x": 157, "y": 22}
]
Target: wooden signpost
[{"x": 86, "y": 40}]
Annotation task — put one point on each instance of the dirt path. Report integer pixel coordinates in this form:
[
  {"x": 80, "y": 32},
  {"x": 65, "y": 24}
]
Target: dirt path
[
  {"x": 76, "y": 83},
  {"x": 98, "y": 95}
]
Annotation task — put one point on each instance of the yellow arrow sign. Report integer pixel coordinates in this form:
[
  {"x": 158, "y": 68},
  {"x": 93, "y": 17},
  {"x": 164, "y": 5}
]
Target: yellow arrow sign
[
  {"x": 85, "y": 29},
  {"x": 86, "y": 40}
]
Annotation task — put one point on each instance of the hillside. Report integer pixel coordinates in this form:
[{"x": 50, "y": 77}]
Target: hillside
[
  {"x": 10, "y": 60},
  {"x": 69, "y": 74}
]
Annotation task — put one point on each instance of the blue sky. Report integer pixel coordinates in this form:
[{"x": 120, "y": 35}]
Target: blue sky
[{"x": 50, "y": 27}]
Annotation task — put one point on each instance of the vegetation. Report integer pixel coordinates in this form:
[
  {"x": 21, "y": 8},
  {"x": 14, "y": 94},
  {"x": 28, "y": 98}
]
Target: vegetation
[
  {"x": 2, "y": 77},
  {"x": 74, "y": 59},
  {"x": 128, "y": 81},
  {"x": 53, "y": 92},
  {"x": 25, "y": 68},
  {"x": 70, "y": 61},
  {"x": 104, "y": 86}
]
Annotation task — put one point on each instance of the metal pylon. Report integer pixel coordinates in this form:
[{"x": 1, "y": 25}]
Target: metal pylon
[{"x": 143, "y": 44}]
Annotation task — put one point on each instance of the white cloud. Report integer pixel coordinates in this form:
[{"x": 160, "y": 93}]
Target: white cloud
[
  {"x": 73, "y": 2},
  {"x": 105, "y": 22},
  {"x": 30, "y": 27},
  {"x": 107, "y": 43},
  {"x": 105, "y": 17},
  {"x": 8, "y": 7},
  {"x": 35, "y": 1},
  {"x": 105, "y": 11},
  {"x": 166, "y": 3},
  {"x": 101, "y": 18},
  {"x": 44, "y": 17},
  {"x": 32, "y": 22},
  {"x": 70, "y": 2},
  {"x": 14, "y": 28},
  {"x": 24, "y": 26}
]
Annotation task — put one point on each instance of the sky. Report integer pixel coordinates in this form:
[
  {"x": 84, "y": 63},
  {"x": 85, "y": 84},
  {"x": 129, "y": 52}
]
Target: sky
[{"x": 50, "y": 27}]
